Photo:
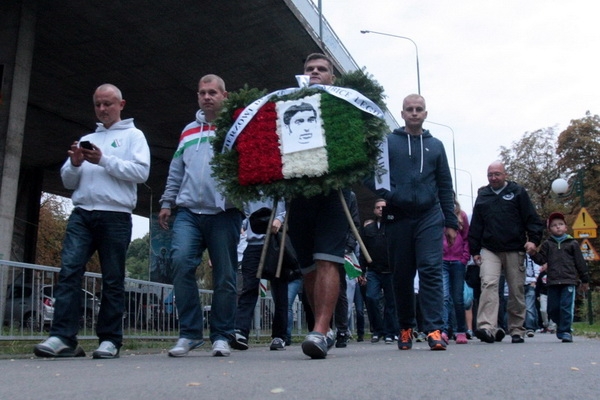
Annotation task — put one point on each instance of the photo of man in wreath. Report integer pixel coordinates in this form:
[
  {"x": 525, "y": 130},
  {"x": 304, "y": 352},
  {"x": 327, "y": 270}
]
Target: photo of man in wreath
[{"x": 302, "y": 127}]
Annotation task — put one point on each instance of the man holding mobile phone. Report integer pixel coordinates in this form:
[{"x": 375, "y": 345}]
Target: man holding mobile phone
[{"x": 103, "y": 170}]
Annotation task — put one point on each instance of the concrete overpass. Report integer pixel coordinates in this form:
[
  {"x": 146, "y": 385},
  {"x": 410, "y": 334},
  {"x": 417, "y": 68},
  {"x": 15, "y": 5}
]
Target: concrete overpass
[{"x": 54, "y": 54}]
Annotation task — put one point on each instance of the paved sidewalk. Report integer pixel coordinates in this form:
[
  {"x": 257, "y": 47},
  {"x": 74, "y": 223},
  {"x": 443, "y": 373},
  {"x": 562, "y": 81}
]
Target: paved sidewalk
[{"x": 542, "y": 367}]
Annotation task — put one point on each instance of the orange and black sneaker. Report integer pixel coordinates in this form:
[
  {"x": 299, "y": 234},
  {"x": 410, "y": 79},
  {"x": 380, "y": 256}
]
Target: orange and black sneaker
[
  {"x": 435, "y": 340},
  {"x": 405, "y": 339}
]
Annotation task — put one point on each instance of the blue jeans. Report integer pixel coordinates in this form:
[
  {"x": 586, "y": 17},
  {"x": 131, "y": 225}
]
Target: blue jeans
[
  {"x": 293, "y": 290},
  {"x": 415, "y": 242},
  {"x": 531, "y": 315},
  {"x": 454, "y": 281},
  {"x": 249, "y": 296},
  {"x": 192, "y": 234},
  {"x": 386, "y": 325},
  {"x": 561, "y": 304},
  {"x": 109, "y": 233}
]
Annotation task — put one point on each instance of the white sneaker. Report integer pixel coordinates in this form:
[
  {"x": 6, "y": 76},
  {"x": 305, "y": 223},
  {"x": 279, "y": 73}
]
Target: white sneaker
[
  {"x": 221, "y": 349},
  {"x": 55, "y": 347},
  {"x": 106, "y": 349},
  {"x": 184, "y": 346}
]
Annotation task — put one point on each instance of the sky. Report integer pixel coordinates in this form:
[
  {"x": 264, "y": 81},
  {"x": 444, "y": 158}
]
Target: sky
[{"x": 490, "y": 71}]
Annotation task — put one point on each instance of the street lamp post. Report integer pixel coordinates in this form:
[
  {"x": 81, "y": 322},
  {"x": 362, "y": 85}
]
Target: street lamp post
[
  {"x": 561, "y": 188},
  {"x": 416, "y": 51},
  {"x": 471, "y": 177},
  {"x": 453, "y": 151},
  {"x": 419, "y": 92}
]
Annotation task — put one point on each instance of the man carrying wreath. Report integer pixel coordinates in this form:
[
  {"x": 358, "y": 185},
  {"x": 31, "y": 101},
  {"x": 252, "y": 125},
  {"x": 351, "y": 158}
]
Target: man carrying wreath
[{"x": 318, "y": 228}]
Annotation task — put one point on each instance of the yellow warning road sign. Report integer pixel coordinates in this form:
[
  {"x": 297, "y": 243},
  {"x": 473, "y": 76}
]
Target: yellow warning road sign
[
  {"x": 588, "y": 251},
  {"x": 584, "y": 220}
]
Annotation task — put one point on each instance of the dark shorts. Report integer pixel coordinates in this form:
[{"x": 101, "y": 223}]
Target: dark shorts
[{"x": 318, "y": 228}]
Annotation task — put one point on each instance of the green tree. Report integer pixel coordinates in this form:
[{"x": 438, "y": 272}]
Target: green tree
[
  {"x": 540, "y": 157},
  {"x": 532, "y": 162},
  {"x": 138, "y": 256},
  {"x": 579, "y": 151}
]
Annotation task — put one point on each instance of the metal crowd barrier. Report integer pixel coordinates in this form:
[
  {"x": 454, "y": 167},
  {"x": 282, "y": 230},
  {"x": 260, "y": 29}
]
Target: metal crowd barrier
[{"x": 150, "y": 308}]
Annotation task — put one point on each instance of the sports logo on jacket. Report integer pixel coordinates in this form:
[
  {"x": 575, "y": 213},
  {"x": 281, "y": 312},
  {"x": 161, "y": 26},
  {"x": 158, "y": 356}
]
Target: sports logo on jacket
[{"x": 508, "y": 196}]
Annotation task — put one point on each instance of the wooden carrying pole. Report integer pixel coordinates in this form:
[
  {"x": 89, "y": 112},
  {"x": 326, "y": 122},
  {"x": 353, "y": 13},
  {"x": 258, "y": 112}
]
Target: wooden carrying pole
[
  {"x": 363, "y": 249},
  {"x": 282, "y": 246},
  {"x": 263, "y": 254}
]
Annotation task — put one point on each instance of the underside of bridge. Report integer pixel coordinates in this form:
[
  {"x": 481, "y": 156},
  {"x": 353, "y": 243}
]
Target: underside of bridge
[{"x": 155, "y": 52}]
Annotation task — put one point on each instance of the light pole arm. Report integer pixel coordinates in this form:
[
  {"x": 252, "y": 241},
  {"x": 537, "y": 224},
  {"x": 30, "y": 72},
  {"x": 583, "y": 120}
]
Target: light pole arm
[
  {"x": 453, "y": 152},
  {"x": 416, "y": 51}
]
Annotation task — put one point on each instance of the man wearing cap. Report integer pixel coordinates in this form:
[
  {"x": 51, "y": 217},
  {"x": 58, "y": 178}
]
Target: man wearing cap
[{"x": 504, "y": 226}]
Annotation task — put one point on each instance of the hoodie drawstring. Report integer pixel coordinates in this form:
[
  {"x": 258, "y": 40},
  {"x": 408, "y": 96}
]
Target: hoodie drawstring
[
  {"x": 421, "y": 137},
  {"x": 410, "y": 150}
]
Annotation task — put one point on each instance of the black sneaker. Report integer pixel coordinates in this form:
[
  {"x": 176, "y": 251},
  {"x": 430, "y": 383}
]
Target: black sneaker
[
  {"x": 277, "y": 344},
  {"x": 484, "y": 335},
  {"x": 360, "y": 338},
  {"x": 517, "y": 339},
  {"x": 239, "y": 341},
  {"x": 436, "y": 341},
  {"x": 389, "y": 340},
  {"x": 341, "y": 340},
  {"x": 374, "y": 338},
  {"x": 405, "y": 339},
  {"x": 499, "y": 335}
]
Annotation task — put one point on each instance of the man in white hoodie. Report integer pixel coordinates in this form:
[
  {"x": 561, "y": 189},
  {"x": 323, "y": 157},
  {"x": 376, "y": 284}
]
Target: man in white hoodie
[
  {"x": 205, "y": 220},
  {"x": 103, "y": 170}
]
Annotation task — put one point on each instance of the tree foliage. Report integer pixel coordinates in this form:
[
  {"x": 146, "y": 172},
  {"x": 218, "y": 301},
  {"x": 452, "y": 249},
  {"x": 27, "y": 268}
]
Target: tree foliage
[
  {"x": 532, "y": 162},
  {"x": 579, "y": 150},
  {"x": 138, "y": 255}
]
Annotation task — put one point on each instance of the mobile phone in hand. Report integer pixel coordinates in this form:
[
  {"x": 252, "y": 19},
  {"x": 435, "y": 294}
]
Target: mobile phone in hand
[{"x": 86, "y": 145}]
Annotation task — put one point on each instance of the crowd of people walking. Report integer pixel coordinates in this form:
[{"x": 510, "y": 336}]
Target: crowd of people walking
[{"x": 417, "y": 233}]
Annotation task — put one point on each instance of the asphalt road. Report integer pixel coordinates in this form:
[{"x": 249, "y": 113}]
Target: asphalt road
[{"x": 541, "y": 368}]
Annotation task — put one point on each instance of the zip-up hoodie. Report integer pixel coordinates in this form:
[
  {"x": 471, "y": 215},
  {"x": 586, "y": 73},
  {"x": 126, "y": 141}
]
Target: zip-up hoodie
[
  {"x": 190, "y": 183},
  {"x": 112, "y": 184},
  {"x": 419, "y": 176}
]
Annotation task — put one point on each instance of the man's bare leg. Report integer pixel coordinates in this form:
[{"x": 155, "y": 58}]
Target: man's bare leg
[{"x": 322, "y": 289}]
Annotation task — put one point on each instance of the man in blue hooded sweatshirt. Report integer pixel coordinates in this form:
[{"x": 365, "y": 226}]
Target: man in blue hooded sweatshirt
[{"x": 418, "y": 214}]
